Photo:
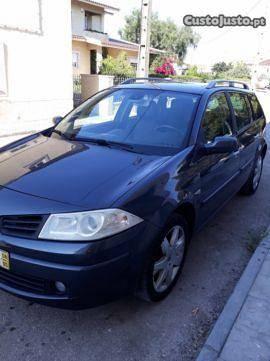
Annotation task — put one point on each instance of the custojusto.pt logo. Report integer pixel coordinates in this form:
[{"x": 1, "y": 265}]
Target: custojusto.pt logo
[{"x": 222, "y": 21}]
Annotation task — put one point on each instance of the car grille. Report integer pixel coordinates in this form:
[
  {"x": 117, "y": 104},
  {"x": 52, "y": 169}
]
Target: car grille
[
  {"x": 24, "y": 283},
  {"x": 22, "y": 226}
]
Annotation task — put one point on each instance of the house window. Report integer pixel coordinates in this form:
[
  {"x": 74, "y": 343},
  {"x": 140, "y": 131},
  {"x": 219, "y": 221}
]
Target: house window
[
  {"x": 134, "y": 65},
  {"x": 93, "y": 61},
  {"x": 104, "y": 52},
  {"x": 93, "y": 22},
  {"x": 75, "y": 59}
]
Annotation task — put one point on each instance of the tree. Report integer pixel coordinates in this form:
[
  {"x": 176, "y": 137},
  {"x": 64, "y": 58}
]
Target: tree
[
  {"x": 118, "y": 66},
  {"x": 228, "y": 71},
  {"x": 155, "y": 62},
  {"x": 193, "y": 71},
  {"x": 165, "y": 34},
  {"x": 132, "y": 27},
  {"x": 238, "y": 70},
  {"x": 221, "y": 67}
]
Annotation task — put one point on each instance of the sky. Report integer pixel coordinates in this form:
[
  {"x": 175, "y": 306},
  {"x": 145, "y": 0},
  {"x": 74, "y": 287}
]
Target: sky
[{"x": 228, "y": 44}]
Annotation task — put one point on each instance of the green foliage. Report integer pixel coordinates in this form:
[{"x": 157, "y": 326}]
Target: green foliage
[
  {"x": 118, "y": 66},
  {"x": 228, "y": 71},
  {"x": 238, "y": 71},
  {"x": 221, "y": 67},
  {"x": 155, "y": 62},
  {"x": 186, "y": 38},
  {"x": 200, "y": 78},
  {"x": 131, "y": 30},
  {"x": 165, "y": 34},
  {"x": 193, "y": 71}
]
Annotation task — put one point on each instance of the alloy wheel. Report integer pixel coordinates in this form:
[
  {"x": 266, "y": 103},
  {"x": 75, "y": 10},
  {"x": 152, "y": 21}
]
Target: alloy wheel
[
  {"x": 170, "y": 258},
  {"x": 257, "y": 172}
]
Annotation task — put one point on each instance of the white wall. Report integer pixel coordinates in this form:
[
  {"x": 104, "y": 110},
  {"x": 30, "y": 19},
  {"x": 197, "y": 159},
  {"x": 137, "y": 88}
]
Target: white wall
[
  {"x": 78, "y": 17},
  {"x": 37, "y": 38}
]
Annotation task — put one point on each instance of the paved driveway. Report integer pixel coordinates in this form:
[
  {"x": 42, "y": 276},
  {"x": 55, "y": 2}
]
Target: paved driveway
[{"x": 132, "y": 330}]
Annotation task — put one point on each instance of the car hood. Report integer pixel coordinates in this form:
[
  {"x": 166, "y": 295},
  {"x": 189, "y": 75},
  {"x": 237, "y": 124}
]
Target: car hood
[{"x": 77, "y": 173}]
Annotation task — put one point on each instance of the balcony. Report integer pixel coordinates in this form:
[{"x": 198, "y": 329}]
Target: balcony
[{"x": 95, "y": 31}]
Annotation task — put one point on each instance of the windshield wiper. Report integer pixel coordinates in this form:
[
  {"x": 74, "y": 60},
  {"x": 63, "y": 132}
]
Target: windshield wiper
[
  {"x": 120, "y": 144},
  {"x": 106, "y": 143},
  {"x": 63, "y": 135},
  {"x": 101, "y": 142}
]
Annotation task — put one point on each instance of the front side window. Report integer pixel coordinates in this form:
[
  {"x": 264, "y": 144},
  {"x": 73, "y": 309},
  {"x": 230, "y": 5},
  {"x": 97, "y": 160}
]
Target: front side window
[
  {"x": 256, "y": 107},
  {"x": 241, "y": 109},
  {"x": 217, "y": 118},
  {"x": 138, "y": 117}
]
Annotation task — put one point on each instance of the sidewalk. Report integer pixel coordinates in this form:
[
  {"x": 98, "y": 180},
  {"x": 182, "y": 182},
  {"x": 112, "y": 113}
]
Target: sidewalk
[{"x": 242, "y": 331}]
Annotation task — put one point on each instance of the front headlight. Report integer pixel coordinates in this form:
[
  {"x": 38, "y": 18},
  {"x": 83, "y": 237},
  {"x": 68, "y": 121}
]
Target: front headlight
[{"x": 87, "y": 226}]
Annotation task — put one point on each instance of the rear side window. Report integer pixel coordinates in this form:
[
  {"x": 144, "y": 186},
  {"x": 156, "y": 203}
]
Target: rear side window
[
  {"x": 241, "y": 109},
  {"x": 256, "y": 107},
  {"x": 217, "y": 118}
]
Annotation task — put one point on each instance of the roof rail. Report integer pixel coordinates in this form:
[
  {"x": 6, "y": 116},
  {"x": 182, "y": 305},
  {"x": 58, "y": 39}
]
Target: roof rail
[
  {"x": 231, "y": 83},
  {"x": 150, "y": 80}
]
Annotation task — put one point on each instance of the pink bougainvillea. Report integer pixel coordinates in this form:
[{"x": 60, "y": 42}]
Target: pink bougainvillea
[{"x": 166, "y": 68}]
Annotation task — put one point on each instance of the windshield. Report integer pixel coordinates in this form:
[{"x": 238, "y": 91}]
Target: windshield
[{"x": 133, "y": 117}]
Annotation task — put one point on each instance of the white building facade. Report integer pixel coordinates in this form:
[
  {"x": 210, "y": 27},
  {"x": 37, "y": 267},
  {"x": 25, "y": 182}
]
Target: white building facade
[{"x": 35, "y": 64}]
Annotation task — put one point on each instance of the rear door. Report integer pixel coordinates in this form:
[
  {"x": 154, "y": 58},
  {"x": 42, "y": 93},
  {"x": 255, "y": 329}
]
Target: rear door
[
  {"x": 247, "y": 131},
  {"x": 218, "y": 172}
]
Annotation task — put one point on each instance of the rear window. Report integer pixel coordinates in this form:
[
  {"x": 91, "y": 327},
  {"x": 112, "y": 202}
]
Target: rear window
[
  {"x": 241, "y": 109},
  {"x": 256, "y": 107}
]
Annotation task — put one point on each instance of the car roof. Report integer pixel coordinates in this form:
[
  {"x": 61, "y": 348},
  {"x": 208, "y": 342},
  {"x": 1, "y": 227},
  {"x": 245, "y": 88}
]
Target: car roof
[{"x": 187, "y": 87}]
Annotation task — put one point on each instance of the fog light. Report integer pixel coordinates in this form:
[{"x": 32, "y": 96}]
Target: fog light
[{"x": 60, "y": 287}]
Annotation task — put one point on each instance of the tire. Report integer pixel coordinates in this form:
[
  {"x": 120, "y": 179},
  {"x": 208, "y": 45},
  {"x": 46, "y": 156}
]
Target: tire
[
  {"x": 254, "y": 178},
  {"x": 165, "y": 261}
]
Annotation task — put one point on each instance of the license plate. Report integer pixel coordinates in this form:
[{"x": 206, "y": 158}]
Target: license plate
[{"x": 4, "y": 259}]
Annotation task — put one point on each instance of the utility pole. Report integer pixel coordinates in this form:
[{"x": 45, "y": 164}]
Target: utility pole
[
  {"x": 259, "y": 55},
  {"x": 143, "y": 57}
]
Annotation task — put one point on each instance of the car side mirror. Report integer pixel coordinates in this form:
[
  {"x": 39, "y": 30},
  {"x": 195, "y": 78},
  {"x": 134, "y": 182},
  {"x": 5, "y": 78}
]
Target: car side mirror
[
  {"x": 56, "y": 120},
  {"x": 224, "y": 144}
]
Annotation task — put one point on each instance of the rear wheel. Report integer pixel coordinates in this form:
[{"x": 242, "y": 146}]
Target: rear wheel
[
  {"x": 166, "y": 260},
  {"x": 253, "y": 181}
]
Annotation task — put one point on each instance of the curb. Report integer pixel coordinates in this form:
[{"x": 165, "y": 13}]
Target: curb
[{"x": 219, "y": 334}]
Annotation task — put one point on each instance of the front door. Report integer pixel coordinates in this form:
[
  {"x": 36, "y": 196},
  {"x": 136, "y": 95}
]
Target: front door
[{"x": 219, "y": 171}]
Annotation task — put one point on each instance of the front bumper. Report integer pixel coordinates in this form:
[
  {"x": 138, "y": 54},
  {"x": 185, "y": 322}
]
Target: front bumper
[{"x": 93, "y": 272}]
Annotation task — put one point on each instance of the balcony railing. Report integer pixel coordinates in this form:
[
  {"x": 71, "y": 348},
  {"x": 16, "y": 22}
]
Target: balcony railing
[{"x": 95, "y": 31}]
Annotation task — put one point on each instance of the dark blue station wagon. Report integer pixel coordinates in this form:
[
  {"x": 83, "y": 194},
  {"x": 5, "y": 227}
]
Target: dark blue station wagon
[{"x": 104, "y": 203}]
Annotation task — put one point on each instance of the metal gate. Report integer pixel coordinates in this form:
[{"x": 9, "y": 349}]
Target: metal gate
[{"x": 77, "y": 90}]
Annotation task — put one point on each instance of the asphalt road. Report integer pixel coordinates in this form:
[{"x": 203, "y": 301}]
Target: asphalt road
[{"x": 132, "y": 330}]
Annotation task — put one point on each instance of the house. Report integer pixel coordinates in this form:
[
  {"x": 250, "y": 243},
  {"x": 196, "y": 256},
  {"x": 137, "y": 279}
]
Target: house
[
  {"x": 35, "y": 64},
  {"x": 43, "y": 45},
  {"x": 260, "y": 73},
  {"x": 91, "y": 41},
  {"x": 264, "y": 66}
]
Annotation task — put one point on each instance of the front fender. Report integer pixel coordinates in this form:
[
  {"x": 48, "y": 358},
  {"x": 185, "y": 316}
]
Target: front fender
[{"x": 159, "y": 194}]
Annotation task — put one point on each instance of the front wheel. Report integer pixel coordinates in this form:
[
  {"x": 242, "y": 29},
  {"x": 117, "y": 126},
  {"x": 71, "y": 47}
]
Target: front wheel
[
  {"x": 253, "y": 181},
  {"x": 166, "y": 261}
]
